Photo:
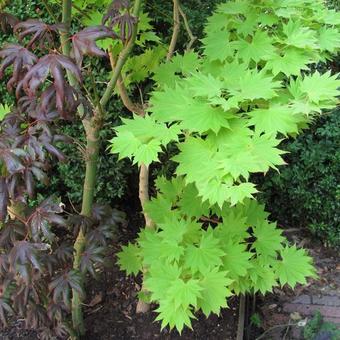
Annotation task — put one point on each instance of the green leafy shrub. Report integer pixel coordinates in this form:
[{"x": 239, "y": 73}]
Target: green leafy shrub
[
  {"x": 227, "y": 110},
  {"x": 307, "y": 191},
  {"x": 317, "y": 328}
]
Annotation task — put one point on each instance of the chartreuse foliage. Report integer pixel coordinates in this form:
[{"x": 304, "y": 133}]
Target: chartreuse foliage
[{"x": 227, "y": 110}]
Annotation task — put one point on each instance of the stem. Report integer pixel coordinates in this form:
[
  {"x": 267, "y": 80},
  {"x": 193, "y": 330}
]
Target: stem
[
  {"x": 49, "y": 10},
  {"x": 241, "y": 318},
  {"x": 65, "y": 34},
  {"x": 144, "y": 193},
  {"x": 92, "y": 128},
  {"x": 176, "y": 28},
  {"x": 188, "y": 29}
]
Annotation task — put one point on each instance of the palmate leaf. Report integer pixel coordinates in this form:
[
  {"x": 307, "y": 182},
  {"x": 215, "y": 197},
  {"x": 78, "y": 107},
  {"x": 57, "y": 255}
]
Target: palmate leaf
[
  {"x": 214, "y": 292},
  {"x": 260, "y": 48},
  {"x": 62, "y": 285},
  {"x": 277, "y": 118},
  {"x": 268, "y": 239},
  {"x": 206, "y": 255},
  {"x": 299, "y": 35},
  {"x": 329, "y": 39},
  {"x": 167, "y": 73},
  {"x": 263, "y": 277},
  {"x": 175, "y": 318},
  {"x": 292, "y": 62},
  {"x": 254, "y": 85},
  {"x": 141, "y": 139},
  {"x": 320, "y": 87},
  {"x": 129, "y": 259},
  {"x": 84, "y": 42},
  {"x": 236, "y": 261},
  {"x": 184, "y": 293},
  {"x": 294, "y": 267},
  {"x": 217, "y": 46},
  {"x": 195, "y": 114},
  {"x": 42, "y": 33},
  {"x": 21, "y": 59},
  {"x": 159, "y": 278}
]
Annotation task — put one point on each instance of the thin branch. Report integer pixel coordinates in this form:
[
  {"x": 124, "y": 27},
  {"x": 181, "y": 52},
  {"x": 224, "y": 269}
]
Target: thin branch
[
  {"x": 84, "y": 13},
  {"x": 188, "y": 29},
  {"x": 124, "y": 54},
  {"x": 132, "y": 107},
  {"x": 241, "y": 318},
  {"x": 176, "y": 28},
  {"x": 275, "y": 327},
  {"x": 49, "y": 10}
]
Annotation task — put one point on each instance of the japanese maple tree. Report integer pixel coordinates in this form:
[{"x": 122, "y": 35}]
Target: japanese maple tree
[{"x": 227, "y": 108}]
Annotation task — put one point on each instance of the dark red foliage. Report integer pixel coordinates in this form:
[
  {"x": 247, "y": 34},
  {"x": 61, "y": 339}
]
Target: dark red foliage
[
  {"x": 41, "y": 33},
  {"x": 21, "y": 59},
  {"x": 36, "y": 252},
  {"x": 7, "y": 21},
  {"x": 84, "y": 42}
]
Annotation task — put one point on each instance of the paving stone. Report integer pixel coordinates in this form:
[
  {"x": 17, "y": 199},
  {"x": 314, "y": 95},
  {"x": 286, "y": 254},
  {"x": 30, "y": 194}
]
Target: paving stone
[
  {"x": 304, "y": 299},
  {"x": 327, "y": 300},
  {"x": 307, "y": 310}
]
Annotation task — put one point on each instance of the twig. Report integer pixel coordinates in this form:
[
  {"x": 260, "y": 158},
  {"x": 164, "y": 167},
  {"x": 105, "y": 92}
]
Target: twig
[
  {"x": 207, "y": 219},
  {"x": 188, "y": 29},
  {"x": 176, "y": 28},
  {"x": 272, "y": 328},
  {"x": 49, "y": 10},
  {"x": 81, "y": 11},
  {"x": 241, "y": 318},
  {"x": 132, "y": 107}
]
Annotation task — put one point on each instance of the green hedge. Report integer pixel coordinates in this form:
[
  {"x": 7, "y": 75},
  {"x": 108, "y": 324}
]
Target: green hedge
[{"x": 307, "y": 191}]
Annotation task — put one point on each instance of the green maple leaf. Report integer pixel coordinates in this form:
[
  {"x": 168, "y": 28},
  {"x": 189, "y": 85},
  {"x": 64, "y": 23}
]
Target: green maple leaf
[
  {"x": 150, "y": 245},
  {"x": 147, "y": 153},
  {"x": 299, "y": 35},
  {"x": 204, "y": 85},
  {"x": 125, "y": 145},
  {"x": 171, "y": 189},
  {"x": 253, "y": 210},
  {"x": 294, "y": 267},
  {"x": 254, "y": 85},
  {"x": 268, "y": 239},
  {"x": 329, "y": 39},
  {"x": 263, "y": 277},
  {"x": 260, "y": 48},
  {"x": 234, "y": 7},
  {"x": 258, "y": 153},
  {"x": 215, "y": 191},
  {"x": 175, "y": 318},
  {"x": 159, "y": 278},
  {"x": 320, "y": 87},
  {"x": 195, "y": 160},
  {"x": 237, "y": 193},
  {"x": 172, "y": 228},
  {"x": 141, "y": 138},
  {"x": 158, "y": 208},
  {"x": 195, "y": 114},
  {"x": 217, "y": 46},
  {"x": 292, "y": 62},
  {"x": 207, "y": 254},
  {"x": 236, "y": 261},
  {"x": 191, "y": 204},
  {"x": 277, "y": 118},
  {"x": 184, "y": 293},
  {"x": 4, "y": 110},
  {"x": 170, "y": 251},
  {"x": 129, "y": 259},
  {"x": 234, "y": 226},
  {"x": 214, "y": 292},
  {"x": 167, "y": 74}
]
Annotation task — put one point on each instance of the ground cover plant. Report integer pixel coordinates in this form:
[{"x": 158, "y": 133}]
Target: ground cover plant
[{"x": 227, "y": 109}]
